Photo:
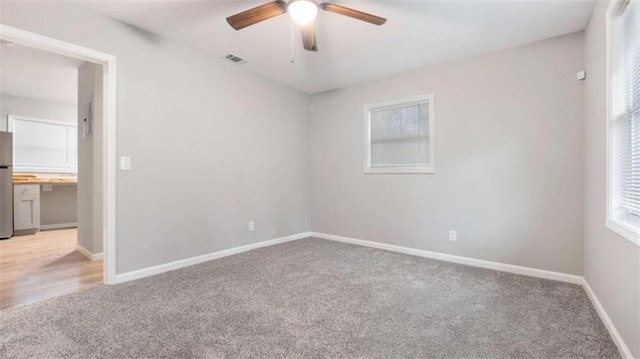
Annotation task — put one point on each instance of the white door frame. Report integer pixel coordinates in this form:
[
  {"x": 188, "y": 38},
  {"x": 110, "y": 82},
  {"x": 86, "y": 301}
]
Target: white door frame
[{"x": 108, "y": 63}]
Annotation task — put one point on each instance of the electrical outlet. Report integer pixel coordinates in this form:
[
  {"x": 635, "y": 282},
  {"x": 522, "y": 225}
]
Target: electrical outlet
[
  {"x": 47, "y": 188},
  {"x": 453, "y": 236},
  {"x": 251, "y": 226}
]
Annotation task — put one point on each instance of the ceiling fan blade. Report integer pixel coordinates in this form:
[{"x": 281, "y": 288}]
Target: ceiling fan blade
[
  {"x": 257, "y": 14},
  {"x": 363, "y": 16},
  {"x": 309, "y": 36}
]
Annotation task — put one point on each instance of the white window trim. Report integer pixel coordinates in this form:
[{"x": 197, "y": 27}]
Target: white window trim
[
  {"x": 623, "y": 229},
  {"x": 12, "y": 118},
  {"x": 10, "y": 127},
  {"x": 432, "y": 143}
]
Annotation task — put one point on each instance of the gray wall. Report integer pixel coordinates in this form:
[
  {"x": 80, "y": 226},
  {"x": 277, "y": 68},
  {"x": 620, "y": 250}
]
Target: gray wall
[
  {"x": 611, "y": 263},
  {"x": 22, "y": 106},
  {"x": 212, "y": 145},
  {"x": 509, "y": 142},
  {"x": 90, "y": 205},
  {"x": 59, "y": 206}
]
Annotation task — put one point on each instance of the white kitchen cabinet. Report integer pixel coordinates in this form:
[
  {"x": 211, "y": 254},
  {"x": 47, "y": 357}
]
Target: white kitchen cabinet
[{"x": 26, "y": 207}]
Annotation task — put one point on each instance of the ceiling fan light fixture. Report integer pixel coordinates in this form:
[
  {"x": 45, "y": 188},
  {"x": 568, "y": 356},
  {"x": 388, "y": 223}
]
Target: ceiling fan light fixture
[{"x": 302, "y": 12}]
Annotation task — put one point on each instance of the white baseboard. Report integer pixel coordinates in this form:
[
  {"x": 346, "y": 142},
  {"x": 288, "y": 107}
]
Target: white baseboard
[
  {"x": 622, "y": 347},
  {"x": 47, "y": 227},
  {"x": 146, "y": 272},
  {"x": 532, "y": 272},
  {"x": 91, "y": 256}
]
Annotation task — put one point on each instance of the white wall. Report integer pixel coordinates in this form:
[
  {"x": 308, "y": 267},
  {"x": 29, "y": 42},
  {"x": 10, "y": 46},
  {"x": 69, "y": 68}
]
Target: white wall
[
  {"x": 212, "y": 145},
  {"x": 611, "y": 263},
  {"x": 21, "y": 106},
  {"x": 509, "y": 142}
]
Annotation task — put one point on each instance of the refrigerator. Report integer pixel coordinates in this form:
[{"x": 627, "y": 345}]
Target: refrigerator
[{"x": 6, "y": 185}]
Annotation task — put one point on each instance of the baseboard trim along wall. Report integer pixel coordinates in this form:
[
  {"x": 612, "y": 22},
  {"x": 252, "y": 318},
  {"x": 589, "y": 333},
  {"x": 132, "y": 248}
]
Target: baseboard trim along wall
[
  {"x": 532, "y": 272},
  {"x": 86, "y": 253},
  {"x": 47, "y": 227},
  {"x": 510, "y": 268},
  {"x": 146, "y": 272},
  {"x": 615, "y": 335}
]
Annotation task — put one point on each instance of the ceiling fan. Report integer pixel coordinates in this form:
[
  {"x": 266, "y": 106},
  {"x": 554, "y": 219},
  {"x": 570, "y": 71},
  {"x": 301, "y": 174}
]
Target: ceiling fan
[{"x": 302, "y": 12}]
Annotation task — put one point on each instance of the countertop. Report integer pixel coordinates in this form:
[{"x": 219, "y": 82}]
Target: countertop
[{"x": 41, "y": 179}]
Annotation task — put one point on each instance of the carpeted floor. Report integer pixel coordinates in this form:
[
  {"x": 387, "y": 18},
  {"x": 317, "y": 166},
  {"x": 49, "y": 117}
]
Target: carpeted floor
[{"x": 314, "y": 299}]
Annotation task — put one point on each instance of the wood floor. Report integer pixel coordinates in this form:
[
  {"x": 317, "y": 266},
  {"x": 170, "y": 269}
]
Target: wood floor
[{"x": 42, "y": 266}]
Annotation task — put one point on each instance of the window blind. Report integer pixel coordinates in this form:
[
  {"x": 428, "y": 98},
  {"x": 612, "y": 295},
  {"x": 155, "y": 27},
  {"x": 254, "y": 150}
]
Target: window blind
[
  {"x": 400, "y": 135},
  {"x": 625, "y": 105},
  {"x": 44, "y": 146}
]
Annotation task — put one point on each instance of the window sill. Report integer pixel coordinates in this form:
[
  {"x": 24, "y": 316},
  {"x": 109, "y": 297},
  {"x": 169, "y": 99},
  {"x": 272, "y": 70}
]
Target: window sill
[
  {"x": 624, "y": 230},
  {"x": 415, "y": 170},
  {"x": 50, "y": 170}
]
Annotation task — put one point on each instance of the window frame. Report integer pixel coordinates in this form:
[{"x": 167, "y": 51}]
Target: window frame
[
  {"x": 620, "y": 227},
  {"x": 431, "y": 168},
  {"x": 35, "y": 169}
]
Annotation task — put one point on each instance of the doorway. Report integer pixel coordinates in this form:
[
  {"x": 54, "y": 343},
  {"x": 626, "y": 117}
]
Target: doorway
[{"x": 104, "y": 142}]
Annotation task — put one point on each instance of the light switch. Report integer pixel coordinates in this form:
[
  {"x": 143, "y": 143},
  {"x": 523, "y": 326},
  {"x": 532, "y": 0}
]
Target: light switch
[{"x": 125, "y": 163}]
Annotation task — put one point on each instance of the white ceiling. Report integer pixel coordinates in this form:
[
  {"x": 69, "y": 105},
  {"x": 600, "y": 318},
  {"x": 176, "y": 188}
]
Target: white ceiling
[
  {"x": 39, "y": 75},
  {"x": 417, "y": 34}
]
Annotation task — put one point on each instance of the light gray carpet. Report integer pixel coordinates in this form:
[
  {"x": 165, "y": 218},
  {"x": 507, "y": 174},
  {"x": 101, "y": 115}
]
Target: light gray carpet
[{"x": 314, "y": 299}]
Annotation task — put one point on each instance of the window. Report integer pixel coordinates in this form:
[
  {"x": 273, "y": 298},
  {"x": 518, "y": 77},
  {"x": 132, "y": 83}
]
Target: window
[
  {"x": 624, "y": 119},
  {"x": 43, "y": 145},
  {"x": 399, "y": 136}
]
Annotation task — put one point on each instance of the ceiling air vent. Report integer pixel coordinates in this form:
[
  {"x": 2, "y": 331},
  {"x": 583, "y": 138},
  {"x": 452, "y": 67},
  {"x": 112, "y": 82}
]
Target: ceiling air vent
[{"x": 235, "y": 59}]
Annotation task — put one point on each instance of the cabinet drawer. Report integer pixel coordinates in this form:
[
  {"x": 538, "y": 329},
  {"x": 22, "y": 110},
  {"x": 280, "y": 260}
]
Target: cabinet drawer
[{"x": 26, "y": 189}]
